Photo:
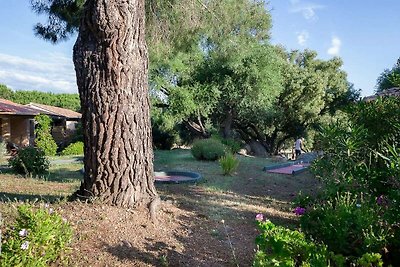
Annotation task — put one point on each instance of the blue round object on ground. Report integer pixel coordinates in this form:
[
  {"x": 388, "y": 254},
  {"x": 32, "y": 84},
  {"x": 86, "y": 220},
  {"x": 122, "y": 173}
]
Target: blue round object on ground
[{"x": 176, "y": 177}]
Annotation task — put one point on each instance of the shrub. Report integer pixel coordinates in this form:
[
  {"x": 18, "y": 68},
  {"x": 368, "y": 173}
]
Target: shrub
[
  {"x": 164, "y": 137},
  {"x": 229, "y": 163},
  {"x": 29, "y": 161},
  {"x": 38, "y": 238},
  {"x": 73, "y": 149},
  {"x": 208, "y": 149},
  {"x": 278, "y": 246},
  {"x": 370, "y": 259},
  {"x": 347, "y": 224},
  {"x": 43, "y": 139},
  {"x": 232, "y": 144},
  {"x": 353, "y": 150}
]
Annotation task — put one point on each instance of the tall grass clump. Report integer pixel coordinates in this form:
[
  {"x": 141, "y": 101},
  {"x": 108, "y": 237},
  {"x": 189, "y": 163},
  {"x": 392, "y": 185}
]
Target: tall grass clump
[{"x": 228, "y": 163}]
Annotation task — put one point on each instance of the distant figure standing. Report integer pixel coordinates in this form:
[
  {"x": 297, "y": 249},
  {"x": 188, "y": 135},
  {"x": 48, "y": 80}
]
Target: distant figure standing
[{"x": 298, "y": 146}]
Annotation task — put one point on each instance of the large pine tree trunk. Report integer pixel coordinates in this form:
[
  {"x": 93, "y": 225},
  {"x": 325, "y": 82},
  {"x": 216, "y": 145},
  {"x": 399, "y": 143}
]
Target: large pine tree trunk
[{"x": 110, "y": 57}]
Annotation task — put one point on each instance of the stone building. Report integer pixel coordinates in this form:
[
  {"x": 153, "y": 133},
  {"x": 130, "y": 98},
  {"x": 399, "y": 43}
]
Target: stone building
[
  {"x": 17, "y": 123},
  {"x": 64, "y": 124}
]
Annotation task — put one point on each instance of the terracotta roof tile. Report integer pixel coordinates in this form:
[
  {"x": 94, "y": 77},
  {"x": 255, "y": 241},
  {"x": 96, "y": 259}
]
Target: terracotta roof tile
[
  {"x": 10, "y": 108},
  {"x": 55, "y": 111}
]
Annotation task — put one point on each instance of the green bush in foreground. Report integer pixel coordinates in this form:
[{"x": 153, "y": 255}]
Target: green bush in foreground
[
  {"x": 30, "y": 161},
  {"x": 278, "y": 246},
  {"x": 38, "y": 238},
  {"x": 348, "y": 224},
  {"x": 208, "y": 149},
  {"x": 281, "y": 247},
  {"x": 73, "y": 149},
  {"x": 229, "y": 164}
]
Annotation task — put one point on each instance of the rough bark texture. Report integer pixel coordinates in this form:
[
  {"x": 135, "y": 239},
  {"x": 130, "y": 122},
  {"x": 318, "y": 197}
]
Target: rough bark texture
[{"x": 111, "y": 62}]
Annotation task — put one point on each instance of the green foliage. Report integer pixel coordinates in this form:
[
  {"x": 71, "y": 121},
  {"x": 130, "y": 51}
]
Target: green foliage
[
  {"x": 361, "y": 158},
  {"x": 354, "y": 151},
  {"x": 229, "y": 163},
  {"x": 5, "y": 92},
  {"x": 370, "y": 260},
  {"x": 164, "y": 135},
  {"x": 206, "y": 72},
  {"x": 389, "y": 78},
  {"x": 44, "y": 140},
  {"x": 73, "y": 149},
  {"x": 348, "y": 224},
  {"x": 302, "y": 200},
  {"x": 344, "y": 150},
  {"x": 233, "y": 144},
  {"x": 30, "y": 161},
  {"x": 38, "y": 238},
  {"x": 382, "y": 119},
  {"x": 43, "y": 123},
  {"x": 208, "y": 149},
  {"x": 68, "y": 101},
  {"x": 313, "y": 90},
  {"x": 63, "y": 18},
  {"x": 278, "y": 246},
  {"x": 78, "y": 135}
]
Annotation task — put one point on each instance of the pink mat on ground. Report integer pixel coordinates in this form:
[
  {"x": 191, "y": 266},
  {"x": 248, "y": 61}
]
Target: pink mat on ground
[
  {"x": 289, "y": 169},
  {"x": 175, "y": 178}
]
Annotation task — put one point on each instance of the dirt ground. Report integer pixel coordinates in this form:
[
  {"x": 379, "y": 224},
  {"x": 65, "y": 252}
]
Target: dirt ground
[{"x": 207, "y": 224}]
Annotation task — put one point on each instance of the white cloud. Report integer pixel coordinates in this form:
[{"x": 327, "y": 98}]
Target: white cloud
[
  {"x": 308, "y": 10},
  {"x": 336, "y": 44},
  {"x": 48, "y": 72},
  {"x": 302, "y": 38}
]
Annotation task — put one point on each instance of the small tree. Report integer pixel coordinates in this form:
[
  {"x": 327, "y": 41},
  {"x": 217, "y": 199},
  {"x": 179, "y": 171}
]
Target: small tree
[
  {"x": 389, "y": 78},
  {"x": 44, "y": 140}
]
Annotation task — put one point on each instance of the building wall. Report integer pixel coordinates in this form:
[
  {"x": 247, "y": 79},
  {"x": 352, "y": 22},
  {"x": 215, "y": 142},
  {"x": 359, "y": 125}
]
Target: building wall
[
  {"x": 63, "y": 132},
  {"x": 20, "y": 130},
  {"x": 15, "y": 129},
  {"x": 5, "y": 128}
]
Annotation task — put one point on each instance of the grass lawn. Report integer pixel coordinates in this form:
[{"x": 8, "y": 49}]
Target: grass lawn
[{"x": 197, "y": 223}]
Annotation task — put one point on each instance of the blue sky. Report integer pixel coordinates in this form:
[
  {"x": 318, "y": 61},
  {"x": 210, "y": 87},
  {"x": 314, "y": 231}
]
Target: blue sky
[{"x": 365, "y": 34}]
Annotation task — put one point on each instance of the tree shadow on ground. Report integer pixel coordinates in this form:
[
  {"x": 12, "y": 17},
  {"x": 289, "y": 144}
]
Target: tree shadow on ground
[
  {"x": 200, "y": 248},
  {"x": 64, "y": 175},
  {"x": 13, "y": 197},
  {"x": 206, "y": 243},
  {"x": 236, "y": 206},
  {"x": 155, "y": 253}
]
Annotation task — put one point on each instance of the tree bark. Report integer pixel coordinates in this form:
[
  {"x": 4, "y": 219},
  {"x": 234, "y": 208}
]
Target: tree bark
[
  {"x": 111, "y": 64},
  {"x": 227, "y": 124}
]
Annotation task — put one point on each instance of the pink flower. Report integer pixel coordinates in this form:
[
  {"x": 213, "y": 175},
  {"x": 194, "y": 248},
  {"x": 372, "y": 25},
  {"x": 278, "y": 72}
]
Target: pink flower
[
  {"x": 25, "y": 245},
  {"x": 381, "y": 200},
  {"x": 299, "y": 211},
  {"x": 259, "y": 217},
  {"x": 23, "y": 232}
]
